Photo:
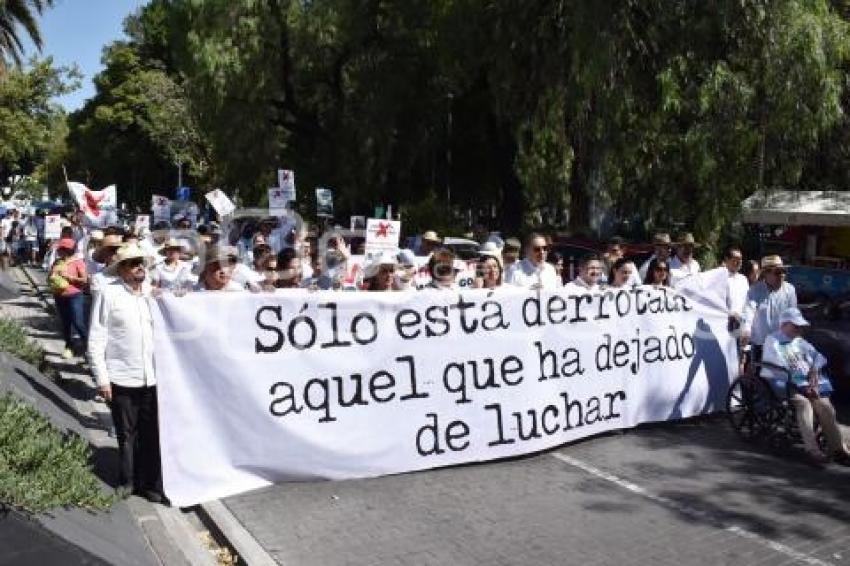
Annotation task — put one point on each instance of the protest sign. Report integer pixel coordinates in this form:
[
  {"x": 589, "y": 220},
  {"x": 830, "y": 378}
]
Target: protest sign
[
  {"x": 382, "y": 236},
  {"x": 99, "y": 207},
  {"x": 220, "y": 202},
  {"x": 286, "y": 179},
  {"x": 324, "y": 202},
  {"x": 279, "y": 200},
  {"x": 348, "y": 385},
  {"x": 160, "y": 208},
  {"x": 52, "y": 226},
  {"x": 143, "y": 222}
]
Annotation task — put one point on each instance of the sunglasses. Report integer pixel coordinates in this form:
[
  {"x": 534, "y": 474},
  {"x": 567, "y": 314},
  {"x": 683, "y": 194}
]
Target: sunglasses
[{"x": 540, "y": 248}]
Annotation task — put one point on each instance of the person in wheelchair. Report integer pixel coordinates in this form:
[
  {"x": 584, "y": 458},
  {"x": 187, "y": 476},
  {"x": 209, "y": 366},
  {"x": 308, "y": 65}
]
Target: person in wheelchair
[{"x": 810, "y": 387}]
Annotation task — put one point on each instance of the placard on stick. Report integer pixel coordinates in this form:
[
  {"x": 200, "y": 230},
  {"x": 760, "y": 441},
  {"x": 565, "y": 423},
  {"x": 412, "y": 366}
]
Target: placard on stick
[
  {"x": 52, "y": 226},
  {"x": 382, "y": 236}
]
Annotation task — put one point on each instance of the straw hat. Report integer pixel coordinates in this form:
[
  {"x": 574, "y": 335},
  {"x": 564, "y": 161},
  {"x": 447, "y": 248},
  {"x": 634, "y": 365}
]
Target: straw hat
[
  {"x": 771, "y": 262},
  {"x": 431, "y": 236},
  {"x": 217, "y": 253},
  {"x": 686, "y": 239},
  {"x": 107, "y": 245},
  {"x": 172, "y": 244},
  {"x": 661, "y": 239},
  {"x": 512, "y": 245},
  {"x": 128, "y": 252}
]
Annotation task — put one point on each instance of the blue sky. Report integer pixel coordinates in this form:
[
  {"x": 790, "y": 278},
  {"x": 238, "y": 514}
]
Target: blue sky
[{"x": 75, "y": 31}]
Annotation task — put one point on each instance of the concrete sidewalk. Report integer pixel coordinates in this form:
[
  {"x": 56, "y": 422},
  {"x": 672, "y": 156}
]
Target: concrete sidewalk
[{"x": 134, "y": 531}]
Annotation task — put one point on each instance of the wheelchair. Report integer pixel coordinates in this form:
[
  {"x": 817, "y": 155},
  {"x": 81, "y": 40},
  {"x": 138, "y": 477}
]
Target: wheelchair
[{"x": 763, "y": 412}]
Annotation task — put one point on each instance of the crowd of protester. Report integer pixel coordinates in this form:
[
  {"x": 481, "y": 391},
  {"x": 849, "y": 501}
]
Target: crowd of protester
[{"x": 100, "y": 279}]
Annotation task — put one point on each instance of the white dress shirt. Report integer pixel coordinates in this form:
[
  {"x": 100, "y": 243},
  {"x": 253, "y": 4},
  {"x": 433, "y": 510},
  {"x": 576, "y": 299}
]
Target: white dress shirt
[
  {"x": 763, "y": 308},
  {"x": 739, "y": 286},
  {"x": 121, "y": 337},
  {"x": 525, "y": 274},
  {"x": 173, "y": 278}
]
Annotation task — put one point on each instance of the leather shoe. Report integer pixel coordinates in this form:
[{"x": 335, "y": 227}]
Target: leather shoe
[{"x": 157, "y": 497}]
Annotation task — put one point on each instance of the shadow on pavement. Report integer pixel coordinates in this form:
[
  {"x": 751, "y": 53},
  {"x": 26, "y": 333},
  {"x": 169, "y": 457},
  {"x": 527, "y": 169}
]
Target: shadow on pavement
[{"x": 717, "y": 479}]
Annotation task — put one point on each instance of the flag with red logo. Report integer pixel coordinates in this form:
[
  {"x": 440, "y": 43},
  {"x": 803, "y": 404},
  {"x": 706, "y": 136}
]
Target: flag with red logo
[{"x": 100, "y": 207}]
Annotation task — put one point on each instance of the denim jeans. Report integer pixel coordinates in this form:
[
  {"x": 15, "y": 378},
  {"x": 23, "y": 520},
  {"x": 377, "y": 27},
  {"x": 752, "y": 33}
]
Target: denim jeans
[{"x": 72, "y": 314}]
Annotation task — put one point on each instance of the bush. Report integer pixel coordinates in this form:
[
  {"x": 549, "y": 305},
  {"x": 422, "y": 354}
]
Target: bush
[
  {"x": 40, "y": 467},
  {"x": 15, "y": 342}
]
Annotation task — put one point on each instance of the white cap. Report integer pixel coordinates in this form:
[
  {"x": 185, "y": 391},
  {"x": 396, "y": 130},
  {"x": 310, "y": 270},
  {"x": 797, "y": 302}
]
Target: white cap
[
  {"x": 794, "y": 316},
  {"x": 406, "y": 257},
  {"x": 379, "y": 260}
]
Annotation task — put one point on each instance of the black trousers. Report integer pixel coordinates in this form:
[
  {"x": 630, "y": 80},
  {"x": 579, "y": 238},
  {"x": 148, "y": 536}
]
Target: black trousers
[{"x": 134, "y": 413}]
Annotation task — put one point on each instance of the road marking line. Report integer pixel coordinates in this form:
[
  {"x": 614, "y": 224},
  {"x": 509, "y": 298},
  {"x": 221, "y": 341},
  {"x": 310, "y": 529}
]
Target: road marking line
[{"x": 686, "y": 510}]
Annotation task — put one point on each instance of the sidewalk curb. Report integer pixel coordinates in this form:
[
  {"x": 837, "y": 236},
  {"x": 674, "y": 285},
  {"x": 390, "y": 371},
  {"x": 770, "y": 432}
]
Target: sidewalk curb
[
  {"x": 218, "y": 518},
  {"x": 214, "y": 515},
  {"x": 168, "y": 534}
]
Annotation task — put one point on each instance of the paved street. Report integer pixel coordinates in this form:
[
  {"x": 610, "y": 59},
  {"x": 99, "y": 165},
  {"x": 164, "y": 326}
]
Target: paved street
[{"x": 684, "y": 494}]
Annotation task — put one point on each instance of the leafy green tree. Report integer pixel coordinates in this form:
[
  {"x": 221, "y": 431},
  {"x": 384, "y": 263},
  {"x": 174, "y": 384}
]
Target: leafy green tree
[
  {"x": 136, "y": 130},
  {"x": 31, "y": 123}
]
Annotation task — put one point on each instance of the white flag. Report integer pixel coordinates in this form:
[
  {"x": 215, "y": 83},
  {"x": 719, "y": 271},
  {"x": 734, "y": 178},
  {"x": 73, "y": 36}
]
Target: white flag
[{"x": 98, "y": 206}]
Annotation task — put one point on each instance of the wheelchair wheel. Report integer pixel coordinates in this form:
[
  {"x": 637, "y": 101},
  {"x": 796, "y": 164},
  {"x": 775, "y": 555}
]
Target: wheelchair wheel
[{"x": 749, "y": 407}]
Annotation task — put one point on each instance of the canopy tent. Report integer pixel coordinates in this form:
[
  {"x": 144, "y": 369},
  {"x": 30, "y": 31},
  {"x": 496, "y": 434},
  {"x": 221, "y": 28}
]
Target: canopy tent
[{"x": 798, "y": 208}]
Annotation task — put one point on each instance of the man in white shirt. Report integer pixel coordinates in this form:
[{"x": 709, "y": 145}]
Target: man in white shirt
[
  {"x": 661, "y": 244},
  {"x": 589, "y": 274},
  {"x": 683, "y": 264},
  {"x": 533, "y": 272},
  {"x": 121, "y": 356},
  {"x": 766, "y": 301},
  {"x": 738, "y": 285}
]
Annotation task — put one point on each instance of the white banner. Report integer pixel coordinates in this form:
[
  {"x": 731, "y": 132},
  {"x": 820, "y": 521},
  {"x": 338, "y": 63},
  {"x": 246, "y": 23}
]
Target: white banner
[
  {"x": 100, "y": 207},
  {"x": 299, "y": 385}
]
